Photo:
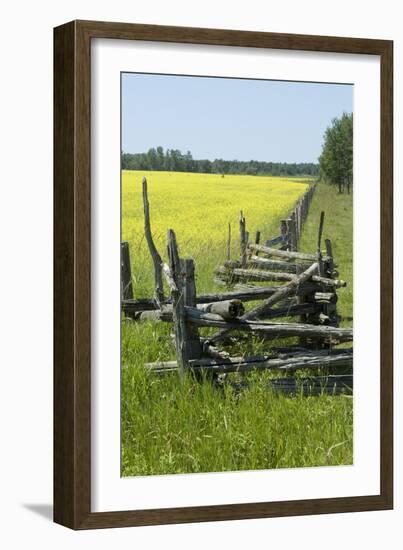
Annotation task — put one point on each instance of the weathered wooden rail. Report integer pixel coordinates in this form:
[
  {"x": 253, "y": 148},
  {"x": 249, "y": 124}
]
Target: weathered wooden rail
[{"x": 187, "y": 319}]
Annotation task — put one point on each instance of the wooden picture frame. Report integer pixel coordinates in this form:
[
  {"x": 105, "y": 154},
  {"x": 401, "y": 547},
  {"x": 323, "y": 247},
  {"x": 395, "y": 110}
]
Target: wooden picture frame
[{"x": 72, "y": 272}]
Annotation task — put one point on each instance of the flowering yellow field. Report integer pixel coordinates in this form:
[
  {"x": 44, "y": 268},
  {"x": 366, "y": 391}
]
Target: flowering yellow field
[{"x": 199, "y": 207}]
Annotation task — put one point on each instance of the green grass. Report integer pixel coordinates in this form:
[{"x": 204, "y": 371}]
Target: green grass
[
  {"x": 169, "y": 427},
  {"x": 338, "y": 227}
]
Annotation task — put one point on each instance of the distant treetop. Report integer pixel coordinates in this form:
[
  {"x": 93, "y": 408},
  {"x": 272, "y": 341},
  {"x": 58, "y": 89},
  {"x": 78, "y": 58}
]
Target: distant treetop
[
  {"x": 174, "y": 160},
  {"x": 336, "y": 160}
]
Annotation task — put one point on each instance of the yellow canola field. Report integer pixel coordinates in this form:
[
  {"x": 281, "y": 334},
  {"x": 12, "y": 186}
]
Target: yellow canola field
[{"x": 199, "y": 207}]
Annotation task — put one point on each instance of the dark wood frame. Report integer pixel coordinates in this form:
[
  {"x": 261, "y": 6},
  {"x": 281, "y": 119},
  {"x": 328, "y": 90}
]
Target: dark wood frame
[{"x": 72, "y": 319}]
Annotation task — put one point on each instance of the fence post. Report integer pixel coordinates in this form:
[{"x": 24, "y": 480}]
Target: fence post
[
  {"x": 243, "y": 239},
  {"x": 319, "y": 249},
  {"x": 292, "y": 233},
  {"x": 157, "y": 261},
  {"x": 302, "y": 300},
  {"x": 125, "y": 272},
  {"x": 330, "y": 308},
  {"x": 193, "y": 345},
  {"x": 330, "y": 263},
  {"x": 284, "y": 234},
  {"x": 187, "y": 341}
]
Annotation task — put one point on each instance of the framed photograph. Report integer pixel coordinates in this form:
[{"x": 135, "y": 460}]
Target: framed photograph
[{"x": 222, "y": 274}]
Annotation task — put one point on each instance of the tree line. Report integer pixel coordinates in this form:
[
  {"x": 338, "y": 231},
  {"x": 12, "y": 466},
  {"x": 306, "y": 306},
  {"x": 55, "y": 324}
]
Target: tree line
[
  {"x": 336, "y": 160},
  {"x": 174, "y": 160}
]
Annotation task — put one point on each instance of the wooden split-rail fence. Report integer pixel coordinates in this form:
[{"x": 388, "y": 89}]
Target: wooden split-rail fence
[{"x": 307, "y": 290}]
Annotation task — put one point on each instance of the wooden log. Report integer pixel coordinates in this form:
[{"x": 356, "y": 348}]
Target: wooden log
[
  {"x": 253, "y": 274},
  {"x": 231, "y": 264},
  {"x": 320, "y": 231},
  {"x": 325, "y": 297},
  {"x": 125, "y": 272},
  {"x": 336, "y": 283},
  {"x": 261, "y": 276},
  {"x": 135, "y": 306},
  {"x": 286, "y": 254},
  {"x": 229, "y": 309},
  {"x": 301, "y": 300},
  {"x": 265, "y": 263},
  {"x": 282, "y": 293},
  {"x": 246, "y": 294},
  {"x": 270, "y": 330},
  {"x": 156, "y": 258},
  {"x": 259, "y": 363},
  {"x": 165, "y": 314},
  {"x": 283, "y": 354},
  {"x": 291, "y": 310},
  {"x": 341, "y": 384}
]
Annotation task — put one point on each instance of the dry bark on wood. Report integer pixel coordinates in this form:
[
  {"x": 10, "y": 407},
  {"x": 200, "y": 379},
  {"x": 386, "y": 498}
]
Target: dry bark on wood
[
  {"x": 248, "y": 294},
  {"x": 228, "y": 312},
  {"x": 314, "y": 385},
  {"x": 187, "y": 341},
  {"x": 264, "y": 263},
  {"x": 286, "y": 254},
  {"x": 261, "y": 276},
  {"x": 319, "y": 251},
  {"x": 330, "y": 266},
  {"x": 191, "y": 335},
  {"x": 242, "y": 238},
  {"x": 325, "y": 297},
  {"x": 156, "y": 258},
  {"x": 253, "y": 274},
  {"x": 287, "y": 290},
  {"x": 239, "y": 364},
  {"x": 125, "y": 273},
  {"x": 273, "y": 330},
  {"x": 229, "y": 309}
]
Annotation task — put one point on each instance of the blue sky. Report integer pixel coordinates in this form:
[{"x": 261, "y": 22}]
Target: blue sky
[{"x": 230, "y": 118}]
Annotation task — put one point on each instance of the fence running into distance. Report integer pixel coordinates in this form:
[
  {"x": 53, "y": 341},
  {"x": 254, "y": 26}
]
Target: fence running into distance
[{"x": 307, "y": 290}]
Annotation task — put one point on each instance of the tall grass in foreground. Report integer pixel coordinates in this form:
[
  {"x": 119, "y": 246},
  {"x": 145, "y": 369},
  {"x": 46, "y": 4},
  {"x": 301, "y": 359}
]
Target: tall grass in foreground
[
  {"x": 168, "y": 427},
  {"x": 338, "y": 228}
]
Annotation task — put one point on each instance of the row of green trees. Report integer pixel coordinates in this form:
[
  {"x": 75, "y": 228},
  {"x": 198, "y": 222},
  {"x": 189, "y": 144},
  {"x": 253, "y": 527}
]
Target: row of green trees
[
  {"x": 336, "y": 160},
  {"x": 174, "y": 160}
]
